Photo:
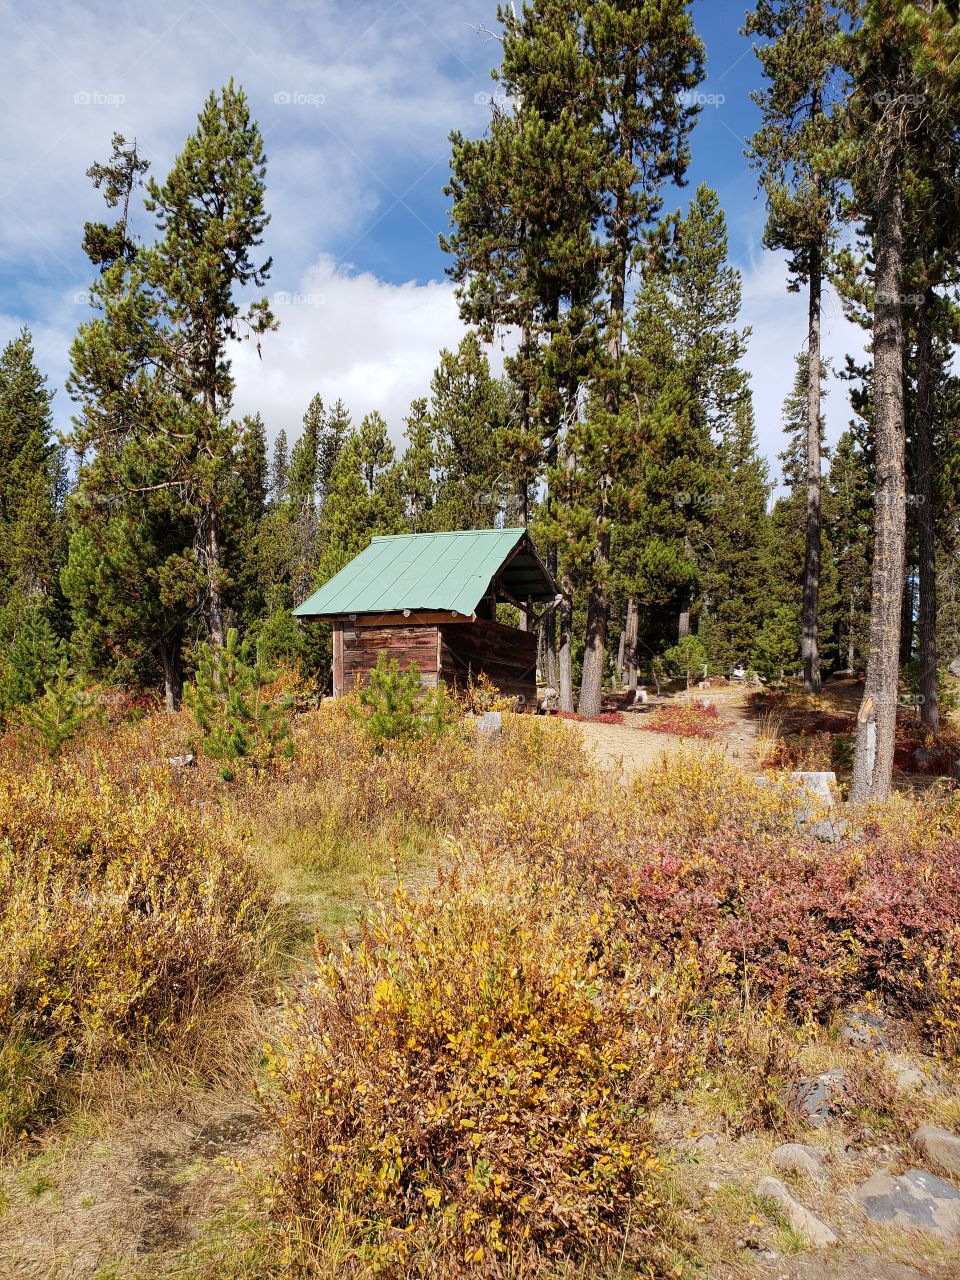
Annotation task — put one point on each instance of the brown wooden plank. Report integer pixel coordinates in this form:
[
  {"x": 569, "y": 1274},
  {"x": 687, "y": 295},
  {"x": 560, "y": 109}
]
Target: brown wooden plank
[{"x": 416, "y": 617}]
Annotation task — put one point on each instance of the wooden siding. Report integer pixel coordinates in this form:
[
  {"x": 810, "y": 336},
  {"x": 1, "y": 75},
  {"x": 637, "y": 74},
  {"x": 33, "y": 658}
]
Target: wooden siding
[
  {"x": 361, "y": 646},
  {"x": 507, "y": 656}
]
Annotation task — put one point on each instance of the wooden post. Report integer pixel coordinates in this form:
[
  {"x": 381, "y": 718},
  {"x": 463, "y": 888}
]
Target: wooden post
[{"x": 338, "y": 659}]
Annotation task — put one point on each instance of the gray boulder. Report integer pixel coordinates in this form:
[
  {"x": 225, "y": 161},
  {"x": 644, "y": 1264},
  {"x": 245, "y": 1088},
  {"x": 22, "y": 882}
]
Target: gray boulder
[
  {"x": 817, "y": 1098},
  {"x": 939, "y": 1147},
  {"x": 805, "y": 1223},
  {"x": 865, "y": 1028},
  {"x": 917, "y": 1200},
  {"x": 795, "y": 1157}
]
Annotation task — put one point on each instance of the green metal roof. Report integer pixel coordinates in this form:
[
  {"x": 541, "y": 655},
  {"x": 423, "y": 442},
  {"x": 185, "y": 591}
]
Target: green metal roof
[{"x": 436, "y": 571}]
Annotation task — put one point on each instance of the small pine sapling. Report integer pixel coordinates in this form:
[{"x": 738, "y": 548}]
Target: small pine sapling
[
  {"x": 390, "y": 705},
  {"x": 235, "y": 708},
  {"x": 60, "y": 713}
]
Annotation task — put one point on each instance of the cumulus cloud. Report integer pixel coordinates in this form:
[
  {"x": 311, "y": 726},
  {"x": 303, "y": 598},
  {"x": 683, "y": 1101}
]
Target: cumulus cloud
[
  {"x": 347, "y": 335},
  {"x": 355, "y": 102}
]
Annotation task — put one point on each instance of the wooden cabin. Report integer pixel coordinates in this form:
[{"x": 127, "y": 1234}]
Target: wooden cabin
[{"x": 431, "y": 598}]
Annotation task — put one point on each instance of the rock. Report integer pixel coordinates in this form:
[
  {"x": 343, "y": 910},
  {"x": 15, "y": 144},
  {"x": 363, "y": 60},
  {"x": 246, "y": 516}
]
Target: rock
[
  {"x": 807, "y": 1224},
  {"x": 939, "y": 1147},
  {"x": 491, "y": 726},
  {"x": 701, "y": 1144},
  {"x": 918, "y": 1199},
  {"x": 794, "y": 1157},
  {"x": 866, "y": 1028},
  {"x": 815, "y": 816},
  {"x": 954, "y": 667},
  {"x": 908, "y": 1077},
  {"x": 550, "y": 700},
  {"x": 815, "y": 1098},
  {"x": 183, "y": 762}
]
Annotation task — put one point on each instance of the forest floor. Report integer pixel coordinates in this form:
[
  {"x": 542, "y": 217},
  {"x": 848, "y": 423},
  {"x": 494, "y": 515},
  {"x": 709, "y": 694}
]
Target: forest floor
[
  {"x": 632, "y": 745},
  {"x": 159, "y": 1178}
]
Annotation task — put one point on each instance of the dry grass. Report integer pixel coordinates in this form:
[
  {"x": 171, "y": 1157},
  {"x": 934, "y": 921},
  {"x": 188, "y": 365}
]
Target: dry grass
[{"x": 540, "y": 948}]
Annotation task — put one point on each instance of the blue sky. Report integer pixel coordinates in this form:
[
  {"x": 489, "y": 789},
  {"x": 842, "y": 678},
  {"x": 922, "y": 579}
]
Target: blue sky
[{"x": 355, "y": 102}]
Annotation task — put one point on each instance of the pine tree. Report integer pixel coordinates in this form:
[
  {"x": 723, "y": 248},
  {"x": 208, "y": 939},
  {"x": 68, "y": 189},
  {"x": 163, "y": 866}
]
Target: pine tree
[
  {"x": 107, "y": 243},
  {"x": 791, "y": 151},
  {"x": 279, "y": 469},
  {"x": 211, "y": 216},
  {"x": 244, "y": 511},
  {"x": 418, "y": 467},
  {"x": 735, "y": 578},
  {"x": 467, "y": 418},
  {"x": 31, "y": 477},
  {"x": 242, "y": 719},
  {"x": 848, "y": 525},
  {"x": 789, "y": 527},
  {"x": 691, "y": 397},
  {"x": 61, "y": 713},
  {"x": 644, "y": 62},
  {"x": 131, "y": 575},
  {"x": 365, "y": 498},
  {"x": 903, "y": 60}
]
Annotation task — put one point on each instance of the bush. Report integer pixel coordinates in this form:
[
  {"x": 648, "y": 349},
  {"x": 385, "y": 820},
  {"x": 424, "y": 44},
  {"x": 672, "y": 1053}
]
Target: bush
[
  {"x": 685, "y": 719},
  {"x": 465, "y": 1088},
  {"x": 122, "y": 922},
  {"x": 703, "y": 857},
  {"x": 687, "y": 658}
]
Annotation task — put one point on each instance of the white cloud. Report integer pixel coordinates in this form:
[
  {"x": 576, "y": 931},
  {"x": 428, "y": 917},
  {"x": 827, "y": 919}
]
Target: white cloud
[{"x": 350, "y": 336}]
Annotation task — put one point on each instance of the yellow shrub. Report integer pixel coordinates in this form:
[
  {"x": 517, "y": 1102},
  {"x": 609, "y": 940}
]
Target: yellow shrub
[
  {"x": 465, "y": 1088},
  {"x": 121, "y": 920}
]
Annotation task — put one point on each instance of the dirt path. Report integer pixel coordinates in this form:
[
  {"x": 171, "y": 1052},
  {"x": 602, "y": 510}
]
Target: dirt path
[
  {"x": 631, "y": 746},
  {"x": 91, "y": 1206}
]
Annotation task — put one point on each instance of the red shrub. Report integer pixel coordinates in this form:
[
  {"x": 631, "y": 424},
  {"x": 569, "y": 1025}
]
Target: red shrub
[
  {"x": 685, "y": 719},
  {"x": 605, "y": 717}
]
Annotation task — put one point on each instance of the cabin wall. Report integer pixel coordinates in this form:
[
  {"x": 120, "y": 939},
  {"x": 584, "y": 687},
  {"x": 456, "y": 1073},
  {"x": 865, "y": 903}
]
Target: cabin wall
[
  {"x": 359, "y": 648},
  {"x": 452, "y": 651},
  {"x": 507, "y": 656}
]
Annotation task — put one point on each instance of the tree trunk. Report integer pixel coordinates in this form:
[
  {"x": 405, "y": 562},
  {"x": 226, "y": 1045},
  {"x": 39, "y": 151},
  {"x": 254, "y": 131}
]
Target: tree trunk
[
  {"x": 172, "y": 673},
  {"x": 215, "y": 598},
  {"x": 906, "y": 616},
  {"x": 926, "y": 545},
  {"x": 811, "y": 568},
  {"x": 550, "y": 628},
  {"x": 630, "y": 645},
  {"x": 877, "y": 719},
  {"x": 565, "y": 654},
  {"x": 591, "y": 683},
  {"x": 683, "y": 623},
  {"x": 621, "y": 652}
]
